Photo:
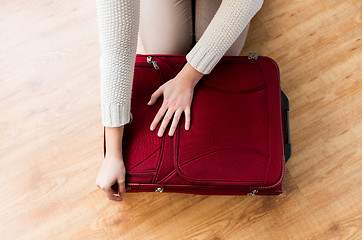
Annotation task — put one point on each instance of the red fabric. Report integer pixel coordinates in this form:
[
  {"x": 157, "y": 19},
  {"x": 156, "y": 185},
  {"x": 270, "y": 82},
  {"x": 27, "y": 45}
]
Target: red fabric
[{"x": 235, "y": 141}]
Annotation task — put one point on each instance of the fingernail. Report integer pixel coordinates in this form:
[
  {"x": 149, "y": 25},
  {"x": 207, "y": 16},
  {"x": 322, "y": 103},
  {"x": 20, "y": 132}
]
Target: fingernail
[
  {"x": 149, "y": 102},
  {"x": 151, "y": 128}
]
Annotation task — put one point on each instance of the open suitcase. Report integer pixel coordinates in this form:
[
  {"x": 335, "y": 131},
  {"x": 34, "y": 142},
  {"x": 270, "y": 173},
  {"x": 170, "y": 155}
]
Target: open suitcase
[{"x": 238, "y": 141}]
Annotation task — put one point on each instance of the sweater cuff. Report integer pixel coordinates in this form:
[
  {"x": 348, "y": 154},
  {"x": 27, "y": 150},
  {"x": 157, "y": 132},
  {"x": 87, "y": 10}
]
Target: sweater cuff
[
  {"x": 201, "y": 59},
  {"x": 116, "y": 115}
]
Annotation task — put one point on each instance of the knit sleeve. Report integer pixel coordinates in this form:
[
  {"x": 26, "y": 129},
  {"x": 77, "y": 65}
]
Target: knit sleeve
[
  {"x": 118, "y": 23},
  {"x": 227, "y": 24}
]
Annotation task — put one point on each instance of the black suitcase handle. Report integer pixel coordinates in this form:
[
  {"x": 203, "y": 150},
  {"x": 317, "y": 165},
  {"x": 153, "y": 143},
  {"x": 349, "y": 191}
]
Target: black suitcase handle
[{"x": 288, "y": 146}]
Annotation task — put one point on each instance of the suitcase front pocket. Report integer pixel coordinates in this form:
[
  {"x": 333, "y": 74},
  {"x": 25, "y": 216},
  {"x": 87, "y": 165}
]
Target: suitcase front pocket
[{"x": 228, "y": 141}]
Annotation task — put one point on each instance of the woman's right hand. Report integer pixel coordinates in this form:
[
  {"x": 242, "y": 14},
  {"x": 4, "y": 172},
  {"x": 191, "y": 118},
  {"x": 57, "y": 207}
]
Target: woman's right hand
[{"x": 112, "y": 171}]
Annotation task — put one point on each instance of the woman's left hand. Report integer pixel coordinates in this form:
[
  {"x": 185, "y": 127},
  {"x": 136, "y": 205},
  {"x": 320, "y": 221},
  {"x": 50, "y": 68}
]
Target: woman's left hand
[{"x": 177, "y": 98}]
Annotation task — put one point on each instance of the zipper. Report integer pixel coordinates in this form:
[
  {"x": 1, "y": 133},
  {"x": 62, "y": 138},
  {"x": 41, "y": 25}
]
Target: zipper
[
  {"x": 153, "y": 62},
  {"x": 150, "y": 63}
]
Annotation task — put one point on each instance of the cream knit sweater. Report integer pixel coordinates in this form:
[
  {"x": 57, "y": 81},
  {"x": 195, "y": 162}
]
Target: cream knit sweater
[{"x": 118, "y": 24}]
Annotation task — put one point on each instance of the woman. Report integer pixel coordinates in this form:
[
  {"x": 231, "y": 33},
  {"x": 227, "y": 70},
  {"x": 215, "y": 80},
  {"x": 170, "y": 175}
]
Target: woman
[{"x": 165, "y": 27}]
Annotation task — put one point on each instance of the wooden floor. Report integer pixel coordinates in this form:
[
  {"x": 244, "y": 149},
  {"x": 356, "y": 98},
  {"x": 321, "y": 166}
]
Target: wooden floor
[{"x": 51, "y": 133}]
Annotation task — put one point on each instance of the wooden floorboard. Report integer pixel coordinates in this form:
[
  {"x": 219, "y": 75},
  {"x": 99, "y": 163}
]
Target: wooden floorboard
[{"x": 51, "y": 132}]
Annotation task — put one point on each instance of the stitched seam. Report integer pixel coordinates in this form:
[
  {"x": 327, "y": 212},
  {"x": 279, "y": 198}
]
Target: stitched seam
[
  {"x": 217, "y": 151},
  {"x": 144, "y": 159},
  {"x": 267, "y": 92},
  {"x": 168, "y": 176},
  {"x": 233, "y": 92},
  {"x": 160, "y": 160}
]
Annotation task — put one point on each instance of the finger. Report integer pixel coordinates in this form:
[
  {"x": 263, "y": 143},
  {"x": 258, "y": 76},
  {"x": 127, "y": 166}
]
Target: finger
[
  {"x": 188, "y": 118},
  {"x": 114, "y": 188},
  {"x": 158, "y": 117},
  {"x": 109, "y": 193},
  {"x": 121, "y": 187},
  {"x": 175, "y": 121},
  {"x": 155, "y": 95},
  {"x": 165, "y": 121}
]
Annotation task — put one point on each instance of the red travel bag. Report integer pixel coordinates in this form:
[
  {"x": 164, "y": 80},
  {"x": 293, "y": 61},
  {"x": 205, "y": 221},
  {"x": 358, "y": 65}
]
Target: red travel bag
[{"x": 238, "y": 141}]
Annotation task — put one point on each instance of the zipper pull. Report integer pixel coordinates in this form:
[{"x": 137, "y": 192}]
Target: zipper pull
[
  {"x": 153, "y": 62},
  {"x": 253, "y": 55},
  {"x": 160, "y": 190},
  {"x": 252, "y": 193}
]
